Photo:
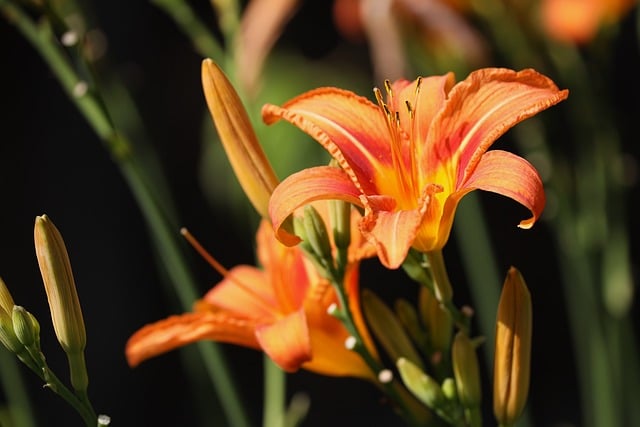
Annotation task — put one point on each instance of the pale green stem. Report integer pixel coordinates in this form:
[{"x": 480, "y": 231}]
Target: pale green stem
[
  {"x": 274, "y": 394},
  {"x": 443, "y": 290}
]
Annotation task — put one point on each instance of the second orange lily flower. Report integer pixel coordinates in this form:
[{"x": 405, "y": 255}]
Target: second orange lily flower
[{"x": 410, "y": 159}]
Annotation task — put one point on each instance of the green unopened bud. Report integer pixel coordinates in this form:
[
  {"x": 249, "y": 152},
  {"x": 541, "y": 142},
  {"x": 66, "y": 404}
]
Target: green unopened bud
[
  {"x": 512, "y": 350},
  {"x": 340, "y": 216},
  {"x": 25, "y": 326},
  {"x": 408, "y": 316},
  {"x": 437, "y": 321},
  {"x": 7, "y": 333},
  {"x": 59, "y": 285},
  {"x": 449, "y": 388},
  {"x": 425, "y": 388},
  {"x": 388, "y": 330},
  {"x": 64, "y": 305},
  {"x": 317, "y": 234},
  {"x": 6, "y": 300},
  {"x": 466, "y": 371}
]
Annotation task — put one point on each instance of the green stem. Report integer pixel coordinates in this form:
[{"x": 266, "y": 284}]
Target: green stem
[
  {"x": 274, "y": 394},
  {"x": 412, "y": 413},
  {"x": 443, "y": 290}
]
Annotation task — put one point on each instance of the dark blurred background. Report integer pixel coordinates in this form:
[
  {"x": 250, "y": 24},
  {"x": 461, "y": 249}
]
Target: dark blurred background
[{"x": 51, "y": 162}]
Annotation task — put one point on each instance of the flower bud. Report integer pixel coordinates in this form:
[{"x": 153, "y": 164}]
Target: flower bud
[
  {"x": 437, "y": 321},
  {"x": 59, "y": 285},
  {"x": 6, "y": 300},
  {"x": 340, "y": 214},
  {"x": 25, "y": 326},
  {"x": 408, "y": 316},
  {"x": 7, "y": 333},
  {"x": 387, "y": 329},
  {"x": 513, "y": 349},
  {"x": 249, "y": 163},
  {"x": 317, "y": 234},
  {"x": 466, "y": 371},
  {"x": 421, "y": 385}
]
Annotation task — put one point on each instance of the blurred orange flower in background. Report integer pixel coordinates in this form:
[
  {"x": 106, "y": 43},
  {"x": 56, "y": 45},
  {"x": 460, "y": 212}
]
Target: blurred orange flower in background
[{"x": 578, "y": 21}]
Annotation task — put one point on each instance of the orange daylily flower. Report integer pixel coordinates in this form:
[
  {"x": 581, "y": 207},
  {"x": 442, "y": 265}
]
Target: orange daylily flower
[
  {"x": 408, "y": 161},
  {"x": 280, "y": 309},
  {"x": 578, "y": 21}
]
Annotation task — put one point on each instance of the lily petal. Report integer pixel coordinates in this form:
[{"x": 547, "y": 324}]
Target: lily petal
[
  {"x": 482, "y": 108},
  {"x": 306, "y": 186},
  {"x": 350, "y": 127},
  {"x": 512, "y": 176},
  {"x": 393, "y": 233},
  {"x": 287, "y": 341},
  {"x": 245, "y": 291},
  {"x": 177, "y": 331}
]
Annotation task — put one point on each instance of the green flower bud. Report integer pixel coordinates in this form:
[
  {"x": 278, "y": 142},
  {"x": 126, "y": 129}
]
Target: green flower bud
[
  {"x": 6, "y": 300},
  {"x": 317, "y": 234},
  {"x": 387, "y": 329},
  {"x": 7, "y": 333},
  {"x": 466, "y": 371},
  {"x": 437, "y": 320},
  {"x": 408, "y": 316},
  {"x": 25, "y": 326},
  {"x": 425, "y": 388},
  {"x": 512, "y": 350},
  {"x": 340, "y": 215}
]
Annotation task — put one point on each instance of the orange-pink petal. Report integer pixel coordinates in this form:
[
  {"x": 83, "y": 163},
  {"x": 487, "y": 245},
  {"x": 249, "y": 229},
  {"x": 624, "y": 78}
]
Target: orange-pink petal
[
  {"x": 177, "y": 331},
  {"x": 245, "y": 291},
  {"x": 512, "y": 176},
  {"x": 482, "y": 108},
  {"x": 304, "y": 187},
  {"x": 350, "y": 127},
  {"x": 287, "y": 341}
]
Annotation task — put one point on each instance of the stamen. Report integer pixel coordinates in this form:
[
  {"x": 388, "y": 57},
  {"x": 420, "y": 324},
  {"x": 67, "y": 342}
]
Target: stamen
[
  {"x": 223, "y": 271},
  {"x": 409, "y": 109},
  {"x": 387, "y": 87},
  {"x": 378, "y": 95},
  {"x": 203, "y": 252}
]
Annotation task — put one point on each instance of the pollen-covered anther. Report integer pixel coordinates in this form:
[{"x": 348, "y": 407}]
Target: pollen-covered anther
[
  {"x": 350, "y": 343},
  {"x": 385, "y": 376}
]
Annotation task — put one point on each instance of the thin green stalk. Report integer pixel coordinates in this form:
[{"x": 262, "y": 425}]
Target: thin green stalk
[
  {"x": 274, "y": 394},
  {"x": 443, "y": 290}
]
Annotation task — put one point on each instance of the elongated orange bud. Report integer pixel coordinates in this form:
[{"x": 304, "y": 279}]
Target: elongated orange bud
[
  {"x": 66, "y": 313},
  {"x": 249, "y": 163},
  {"x": 513, "y": 349}
]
